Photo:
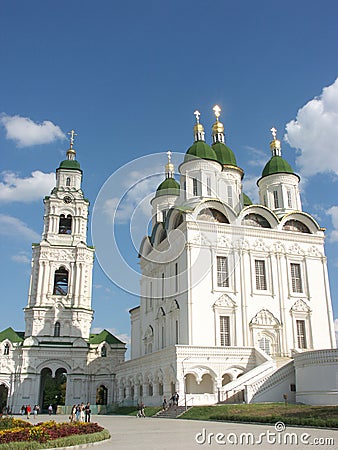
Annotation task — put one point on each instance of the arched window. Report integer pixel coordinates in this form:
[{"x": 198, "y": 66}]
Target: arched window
[
  {"x": 61, "y": 281},
  {"x": 256, "y": 220},
  {"x": 265, "y": 345},
  {"x": 103, "y": 351},
  {"x": 295, "y": 225},
  {"x": 212, "y": 215},
  {"x": 6, "y": 349},
  {"x": 178, "y": 220},
  {"x": 68, "y": 182},
  {"x": 57, "y": 328},
  {"x": 65, "y": 224}
]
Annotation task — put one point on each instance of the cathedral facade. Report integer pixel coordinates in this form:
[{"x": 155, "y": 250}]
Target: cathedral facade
[{"x": 234, "y": 304}]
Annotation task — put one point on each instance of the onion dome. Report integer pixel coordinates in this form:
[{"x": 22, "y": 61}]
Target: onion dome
[
  {"x": 224, "y": 154},
  {"x": 169, "y": 186},
  {"x": 199, "y": 149},
  {"x": 70, "y": 162},
  {"x": 246, "y": 200},
  {"x": 276, "y": 164}
]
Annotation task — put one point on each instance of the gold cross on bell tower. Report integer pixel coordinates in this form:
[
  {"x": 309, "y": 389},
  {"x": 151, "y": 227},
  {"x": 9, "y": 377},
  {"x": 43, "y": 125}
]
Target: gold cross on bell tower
[
  {"x": 274, "y": 132},
  {"x": 197, "y": 115},
  {"x": 72, "y": 134},
  {"x": 217, "y": 110}
]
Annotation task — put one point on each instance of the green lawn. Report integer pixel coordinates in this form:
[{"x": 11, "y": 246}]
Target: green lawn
[{"x": 319, "y": 416}]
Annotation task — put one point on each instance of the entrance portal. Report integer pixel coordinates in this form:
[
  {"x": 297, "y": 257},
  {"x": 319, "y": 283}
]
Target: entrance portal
[
  {"x": 53, "y": 389},
  {"x": 3, "y": 396}
]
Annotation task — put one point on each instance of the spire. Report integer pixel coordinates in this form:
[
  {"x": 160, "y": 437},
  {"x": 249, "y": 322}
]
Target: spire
[
  {"x": 169, "y": 167},
  {"x": 71, "y": 153},
  {"x": 198, "y": 128},
  {"x": 218, "y": 127},
  {"x": 275, "y": 145}
]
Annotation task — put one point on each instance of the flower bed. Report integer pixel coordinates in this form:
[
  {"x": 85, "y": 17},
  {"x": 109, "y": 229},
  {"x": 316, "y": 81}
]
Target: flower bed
[{"x": 19, "y": 430}]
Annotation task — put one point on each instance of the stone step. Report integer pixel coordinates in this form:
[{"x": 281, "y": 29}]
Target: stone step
[{"x": 171, "y": 413}]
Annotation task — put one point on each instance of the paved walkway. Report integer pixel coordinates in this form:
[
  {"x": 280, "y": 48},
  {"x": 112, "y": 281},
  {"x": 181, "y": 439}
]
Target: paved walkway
[{"x": 166, "y": 434}]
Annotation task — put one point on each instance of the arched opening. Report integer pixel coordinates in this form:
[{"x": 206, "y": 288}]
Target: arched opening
[
  {"x": 151, "y": 390},
  {"x": 212, "y": 215},
  {"x": 204, "y": 387},
  {"x": 3, "y": 396},
  {"x": 65, "y": 224},
  {"x": 53, "y": 389},
  {"x": 226, "y": 378},
  {"x": 178, "y": 220},
  {"x": 61, "y": 281},
  {"x": 68, "y": 181},
  {"x": 57, "y": 328},
  {"x": 6, "y": 349},
  {"x": 103, "y": 351},
  {"x": 296, "y": 225},
  {"x": 256, "y": 220},
  {"x": 102, "y": 395}
]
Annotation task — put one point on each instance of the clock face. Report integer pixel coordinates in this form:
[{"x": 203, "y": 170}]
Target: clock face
[{"x": 67, "y": 199}]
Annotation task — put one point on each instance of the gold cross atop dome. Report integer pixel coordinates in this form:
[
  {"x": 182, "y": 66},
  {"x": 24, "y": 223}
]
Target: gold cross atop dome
[
  {"x": 197, "y": 115},
  {"x": 72, "y": 134},
  {"x": 274, "y": 132},
  {"x": 169, "y": 153},
  {"x": 217, "y": 110}
]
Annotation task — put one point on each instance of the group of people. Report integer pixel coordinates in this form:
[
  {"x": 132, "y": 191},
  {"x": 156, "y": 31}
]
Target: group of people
[
  {"x": 172, "y": 402},
  {"x": 80, "y": 413},
  {"x": 6, "y": 410},
  {"x": 27, "y": 409}
]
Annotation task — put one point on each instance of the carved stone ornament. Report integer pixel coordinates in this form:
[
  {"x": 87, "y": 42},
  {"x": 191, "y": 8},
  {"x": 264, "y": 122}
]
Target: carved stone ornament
[
  {"x": 264, "y": 317},
  {"x": 300, "y": 306},
  {"x": 224, "y": 301}
]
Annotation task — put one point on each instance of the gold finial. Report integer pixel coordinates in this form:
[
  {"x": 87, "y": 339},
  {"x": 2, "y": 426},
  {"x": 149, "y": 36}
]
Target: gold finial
[
  {"x": 274, "y": 132},
  {"x": 169, "y": 167},
  {"x": 197, "y": 115},
  {"x": 71, "y": 134},
  {"x": 217, "y": 110}
]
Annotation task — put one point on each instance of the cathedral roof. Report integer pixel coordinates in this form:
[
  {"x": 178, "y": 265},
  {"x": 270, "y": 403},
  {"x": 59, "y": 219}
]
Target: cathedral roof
[
  {"x": 11, "y": 335},
  {"x": 104, "y": 336},
  {"x": 70, "y": 164},
  {"x": 168, "y": 187},
  {"x": 276, "y": 164},
  {"x": 200, "y": 149},
  {"x": 224, "y": 154}
]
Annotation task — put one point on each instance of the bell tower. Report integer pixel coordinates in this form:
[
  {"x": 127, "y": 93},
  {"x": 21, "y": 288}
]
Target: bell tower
[{"x": 59, "y": 300}]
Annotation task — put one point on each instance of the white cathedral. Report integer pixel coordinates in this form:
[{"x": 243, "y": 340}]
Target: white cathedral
[{"x": 234, "y": 304}]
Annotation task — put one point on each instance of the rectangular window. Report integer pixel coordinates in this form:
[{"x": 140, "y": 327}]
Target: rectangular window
[
  {"x": 275, "y": 199},
  {"x": 261, "y": 283},
  {"x": 162, "y": 336},
  {"x": 176, "y": 332},
  {"x": 208, "y": 186},
  {"x": 194, "y": 187},
  {"x": 176, "y": 277},
  {"x": 151, "y": 295},
  {"x": 162, "y": 294},
  {"x": 224, "y": 326},
  {"x": 229, "y": 189},
  {"x": 301, "y": 337},
  {"x": 289, "y": 198},
  {"x": 296, "y": 278},
  {"x": 222, "y": 271}
]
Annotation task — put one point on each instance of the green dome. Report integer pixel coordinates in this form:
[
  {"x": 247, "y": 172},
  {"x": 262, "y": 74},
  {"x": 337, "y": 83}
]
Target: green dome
[
  {"x": 168, "y": 187},
  {"x": 200, "y": 149},
  {"x": 276, "y": 165},
  {"x": 70, "y": 164},
  {"x": 246, "y": 200},
  {"x": 224, "y": 154}
]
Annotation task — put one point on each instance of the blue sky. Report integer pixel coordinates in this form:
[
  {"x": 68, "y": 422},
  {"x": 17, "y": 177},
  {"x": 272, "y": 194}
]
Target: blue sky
[{"x": 127, "y": 76}]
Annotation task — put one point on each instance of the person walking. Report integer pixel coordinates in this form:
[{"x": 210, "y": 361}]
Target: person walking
[
  {"x": 87, "y": 412},
  {"x": 28, "y": 411},
  {"x": 164, "y": 404},
  {"x": 143, "y": 414},
  {"x": 50, "y": 410}
]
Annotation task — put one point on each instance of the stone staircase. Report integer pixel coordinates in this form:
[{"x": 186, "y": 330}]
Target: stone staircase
[{"x": 172, "y": 413}]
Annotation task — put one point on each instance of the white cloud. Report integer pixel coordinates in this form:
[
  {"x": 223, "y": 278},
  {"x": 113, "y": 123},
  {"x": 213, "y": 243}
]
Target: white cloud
[
  {"x": 26, "y": 133},
  {"x": 12, "y": 227},
  {"x": 16, "y": 189},
  {"x": 333, "y": 212},
  {"x": 21, "y": 258},
  {"x": 258, "y": 157},
  {"x": 314, "y": 133}
]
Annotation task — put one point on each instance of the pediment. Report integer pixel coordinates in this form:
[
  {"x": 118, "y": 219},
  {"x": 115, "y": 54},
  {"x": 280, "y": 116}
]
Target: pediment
[
  {"x": 300, "y": 306},
  {"x": 264, "y": 317},
  {"x": 224, "y": 301}
]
